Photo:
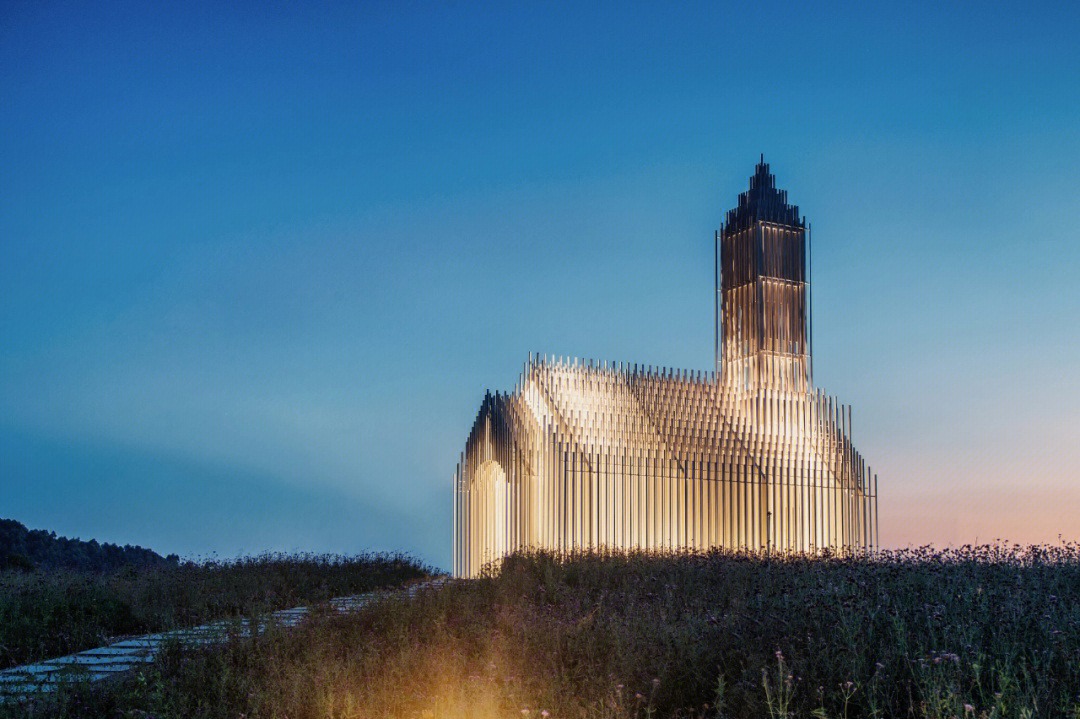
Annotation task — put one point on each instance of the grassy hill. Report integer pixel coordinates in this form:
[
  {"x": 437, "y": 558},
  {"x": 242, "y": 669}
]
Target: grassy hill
[
  {"x": 974, "y": 632},
  {"x": 69, "y": 595}
]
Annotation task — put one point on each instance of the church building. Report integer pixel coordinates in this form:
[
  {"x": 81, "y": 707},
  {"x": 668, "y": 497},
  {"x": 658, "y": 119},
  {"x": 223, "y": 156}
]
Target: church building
[{"x": 748, "y": 456}]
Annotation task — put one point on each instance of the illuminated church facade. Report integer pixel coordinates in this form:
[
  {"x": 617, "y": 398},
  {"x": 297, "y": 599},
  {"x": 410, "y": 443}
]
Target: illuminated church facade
[{"x": 749, "y": 456}]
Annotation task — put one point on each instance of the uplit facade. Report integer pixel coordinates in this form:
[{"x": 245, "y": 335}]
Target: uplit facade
[{"x": 748, "y": 456}]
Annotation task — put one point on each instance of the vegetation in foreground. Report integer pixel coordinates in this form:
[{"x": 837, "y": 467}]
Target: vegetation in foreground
[
  {"x": 46, "y": 614},
  {"x": 972, "y": 632}
]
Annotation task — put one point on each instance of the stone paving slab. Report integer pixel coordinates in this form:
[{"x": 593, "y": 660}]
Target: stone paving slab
[
  {"x": 23, "y": 682},
  {"x": 105, "y": 651}
]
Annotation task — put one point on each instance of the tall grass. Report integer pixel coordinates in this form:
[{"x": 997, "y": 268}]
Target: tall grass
[
  {"x": 971, "y": 632},
  {"x": 47, "y": 614}
]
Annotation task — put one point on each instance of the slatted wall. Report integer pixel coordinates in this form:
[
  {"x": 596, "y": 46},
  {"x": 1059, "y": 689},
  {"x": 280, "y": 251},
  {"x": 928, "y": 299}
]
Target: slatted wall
[
  {"x": 583, "y": 454},
  {"x": 588, "y": 455}
]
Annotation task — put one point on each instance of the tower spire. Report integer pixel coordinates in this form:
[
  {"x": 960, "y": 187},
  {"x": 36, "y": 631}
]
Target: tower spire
[{"x": 761, "y": 279}]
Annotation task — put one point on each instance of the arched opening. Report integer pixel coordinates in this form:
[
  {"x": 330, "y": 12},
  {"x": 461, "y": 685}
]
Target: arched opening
[{"x": 493, "y": 495}]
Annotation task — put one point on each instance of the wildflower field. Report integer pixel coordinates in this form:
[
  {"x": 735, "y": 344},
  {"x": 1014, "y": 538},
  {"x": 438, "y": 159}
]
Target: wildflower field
[
  {"x": 991, "y": 631},
  {"x": 45, "y": 614}
]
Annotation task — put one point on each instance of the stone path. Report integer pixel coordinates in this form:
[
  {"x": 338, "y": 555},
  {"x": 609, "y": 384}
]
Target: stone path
[{"x": 23, "y": 682}]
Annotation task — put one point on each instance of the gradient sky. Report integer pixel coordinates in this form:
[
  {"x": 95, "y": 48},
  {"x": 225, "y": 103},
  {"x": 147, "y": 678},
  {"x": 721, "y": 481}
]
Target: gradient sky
[{"x": 258, "y": 263}]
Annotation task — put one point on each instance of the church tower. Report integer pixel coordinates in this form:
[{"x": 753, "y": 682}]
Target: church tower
[
  {"x": 612, "y": 456},
  {"x": 762, "y": 302}
]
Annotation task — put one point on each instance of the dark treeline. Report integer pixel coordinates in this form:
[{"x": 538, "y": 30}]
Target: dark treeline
[{"x": 29, "y": 549}]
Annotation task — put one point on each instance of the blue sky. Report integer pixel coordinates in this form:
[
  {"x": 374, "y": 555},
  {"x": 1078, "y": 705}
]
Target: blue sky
[{"x": 258, "y": 263}]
